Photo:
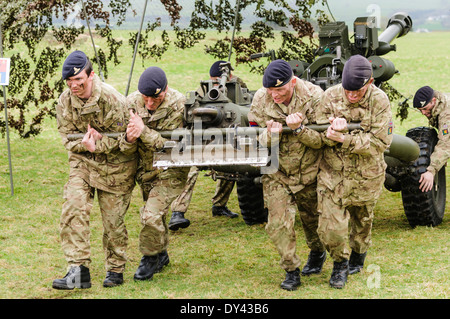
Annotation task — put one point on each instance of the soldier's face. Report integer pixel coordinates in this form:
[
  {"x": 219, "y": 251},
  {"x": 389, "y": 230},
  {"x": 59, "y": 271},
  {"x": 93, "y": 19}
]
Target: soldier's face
[
  {"x": 427, "y": 109},
  {"x": 152, "y": 103},
  {"x": 282, "y": 94},
  {"x": 81, "y": 84},
  {"x": 356, "y": 96},
  {"x": 215, "y": 79}
]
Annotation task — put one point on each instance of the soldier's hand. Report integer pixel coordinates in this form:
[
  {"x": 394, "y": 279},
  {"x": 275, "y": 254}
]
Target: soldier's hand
[
  {"x": 274, "y": 127},
  {"x": 338, "y": 124},
  {"x": 88, "y": 141},
  {"x": 426, "y": 181},
  {"x": 294, "y": 120},
  {"x": 95, "y": 134},
  {"x": 335, "y": 135},
  {"x": 134, "y": 128}
]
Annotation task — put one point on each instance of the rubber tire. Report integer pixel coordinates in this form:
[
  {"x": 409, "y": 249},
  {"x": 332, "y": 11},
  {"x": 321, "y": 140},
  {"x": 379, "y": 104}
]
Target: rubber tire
[
  {"x": 251, "y": 202},
  {"x": 423, "y": 209}
]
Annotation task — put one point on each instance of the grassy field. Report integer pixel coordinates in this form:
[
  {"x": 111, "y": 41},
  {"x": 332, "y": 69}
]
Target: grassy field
[{"x": 214, "y": 257}]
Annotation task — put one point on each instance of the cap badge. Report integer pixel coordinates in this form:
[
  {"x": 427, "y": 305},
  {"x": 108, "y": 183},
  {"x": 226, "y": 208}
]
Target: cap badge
[
  {"x": 157, "y": 91},
  {"x": 76, "y": 70},
  {"x": 278, "y": 82},
  {"x": 423, "y": 103}
]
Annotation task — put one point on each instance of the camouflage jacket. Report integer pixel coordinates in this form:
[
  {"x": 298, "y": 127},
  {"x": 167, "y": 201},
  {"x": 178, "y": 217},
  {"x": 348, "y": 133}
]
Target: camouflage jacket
[
  {"x": 112, "y": 166},
  {"x": 440, "y": 119},
  {"x": 168, "y": 116},
  {"x": 299, "y": 155},
  {"x": 355, "y": 169}
]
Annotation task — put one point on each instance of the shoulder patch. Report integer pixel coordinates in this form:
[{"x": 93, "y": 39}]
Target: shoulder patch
[{"x": 390, "y": 128}]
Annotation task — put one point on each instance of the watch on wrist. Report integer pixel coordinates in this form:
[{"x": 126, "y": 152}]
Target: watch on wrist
[{"x": 298, "y": 129}]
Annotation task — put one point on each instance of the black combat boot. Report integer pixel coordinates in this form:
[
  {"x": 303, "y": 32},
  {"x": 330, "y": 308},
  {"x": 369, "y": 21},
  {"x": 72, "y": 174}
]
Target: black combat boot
[
  {"x": 356, "y": 262},
  {"x": 178, "y": 221},
  {"x": 76, "y": 277},
  {"x": 146, "y": 268},
  {"x": 314, "y": 263},
  {"x": 223, "y": 211},
  {"x": 339, "y": 274},
  {"x": 292, "y": 281},
  {"x": 113, "y": 279},
  {"x": 163, "y": 260}
]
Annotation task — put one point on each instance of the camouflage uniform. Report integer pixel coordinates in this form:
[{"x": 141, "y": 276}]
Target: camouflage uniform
[
  {"x": 440, "y": 119},
  {"x": 352, "y": 173},
  {"x": 159, "y": 187},
  {"x": 220, "y": 198},
  {"x": 293, "y": 186},
  {"x": 110, "y": 170},
  {"x": 181, "y": 203}
]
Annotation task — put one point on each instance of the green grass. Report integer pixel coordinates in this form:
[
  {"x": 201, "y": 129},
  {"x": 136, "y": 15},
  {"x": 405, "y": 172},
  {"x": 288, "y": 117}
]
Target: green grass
[{"x": 214, "y": 257}]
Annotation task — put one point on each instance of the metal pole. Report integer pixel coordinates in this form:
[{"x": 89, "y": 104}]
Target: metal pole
[
  {"x": 326, "y": 2},
  {"x": 92, "y": 39},
  {"x": 136, "y": 47},
  {"x": 234, "y": 29},
  {"x": 6, "y": 118}
]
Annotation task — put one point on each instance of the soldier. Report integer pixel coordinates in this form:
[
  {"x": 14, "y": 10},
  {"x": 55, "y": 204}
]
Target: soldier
[
  {"x": 435, "y": 106},
  {"x": 352, "y": 170},
  {"x": 286, "y": 99},
  {"x": 154, "y": 107},
  {"x": 223, "y": 187},
  {"x": 97, "y": 164}
]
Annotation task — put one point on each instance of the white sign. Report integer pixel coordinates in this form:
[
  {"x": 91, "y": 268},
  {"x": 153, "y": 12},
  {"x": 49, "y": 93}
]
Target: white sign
[{"x": 4, "y": 71}]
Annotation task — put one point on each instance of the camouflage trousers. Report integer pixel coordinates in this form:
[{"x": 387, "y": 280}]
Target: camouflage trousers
[
  {"x": 220, "y": 198},
  {"x": 74, "y": 225},
  {"x": 283, "y": 206},
  {"x": 223, "y": 192},
  {"x": 159, "y": 192},
  {"x": 334, "y": 222}
]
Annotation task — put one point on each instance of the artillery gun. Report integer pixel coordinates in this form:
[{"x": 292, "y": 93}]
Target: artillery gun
[
  {"x": 334, "y": 50},
  {"x": 218, "y": 138}
]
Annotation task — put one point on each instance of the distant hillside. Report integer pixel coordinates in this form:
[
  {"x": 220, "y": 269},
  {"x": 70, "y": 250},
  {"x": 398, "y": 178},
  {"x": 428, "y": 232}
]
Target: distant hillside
[{"x": 430, "y": 14}]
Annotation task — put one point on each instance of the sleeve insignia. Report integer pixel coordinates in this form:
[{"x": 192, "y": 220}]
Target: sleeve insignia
[{"x": 390, "y": 128}]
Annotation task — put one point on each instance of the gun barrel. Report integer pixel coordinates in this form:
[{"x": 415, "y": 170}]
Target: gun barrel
[{"x": 398, "y": 25}]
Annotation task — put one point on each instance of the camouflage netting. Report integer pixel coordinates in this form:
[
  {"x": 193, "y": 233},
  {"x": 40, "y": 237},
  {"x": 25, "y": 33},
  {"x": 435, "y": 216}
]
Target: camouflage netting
[{"x": 35, "y": 23}]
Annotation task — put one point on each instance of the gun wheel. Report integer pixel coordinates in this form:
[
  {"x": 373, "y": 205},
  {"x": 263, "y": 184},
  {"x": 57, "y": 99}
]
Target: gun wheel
[
  {"x": 423, "y": 209},
  {"x": 251, "y": 202}
]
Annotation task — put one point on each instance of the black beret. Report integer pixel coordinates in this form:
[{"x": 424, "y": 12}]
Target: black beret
[
  {"x": 152, "y": 81},
  {"x": 356, "y": 73},
  {"x": 423, "y": 96},
  {"x": 215, "y": 71},
  {"x": 74, "y": 64},
  {"x": 277, "y": 74}
]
